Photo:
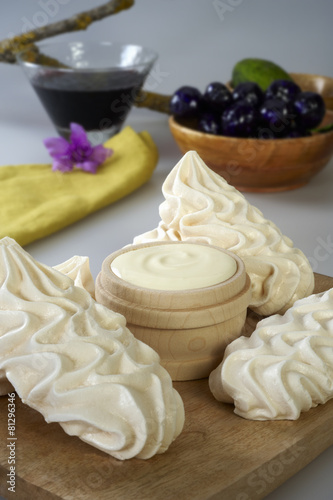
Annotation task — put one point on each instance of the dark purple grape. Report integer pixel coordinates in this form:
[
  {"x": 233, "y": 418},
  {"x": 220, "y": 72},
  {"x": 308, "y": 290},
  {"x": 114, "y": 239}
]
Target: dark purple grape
[
  {"x": 240, "y": 120},
  {"x": 210, "y": 123},
  {"x": 250, "y": 92},
  {"x": 264, "y": 133},
  {"x": 282, "y": 89},
  {"x": 297, "y": 131},
  {"x": 276, "y": 118},
  {"x": 217, "y": 97},
  {"x": 186, "y": 102},
  {"x": 310, "y": 110},
  {"x": 295, "y": 134}
]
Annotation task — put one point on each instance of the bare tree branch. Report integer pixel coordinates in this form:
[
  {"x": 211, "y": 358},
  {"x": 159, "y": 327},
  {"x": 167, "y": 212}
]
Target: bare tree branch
[
  {"x": 78, "y": 22},
  {"x": 10, "y": 46},
  {"x": 153, "y": 101}
]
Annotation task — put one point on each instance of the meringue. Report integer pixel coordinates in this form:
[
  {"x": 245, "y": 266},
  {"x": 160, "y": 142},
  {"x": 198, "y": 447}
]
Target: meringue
[
  {"x": 200, "y": 206},
  {"x": 78, "y": 269},
  {"x": 76, "y": 362},
  {"x": 285, "y": 367}
]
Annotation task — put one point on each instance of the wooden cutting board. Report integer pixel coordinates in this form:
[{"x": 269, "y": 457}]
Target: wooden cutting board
[{"x": 218, "y": 455}]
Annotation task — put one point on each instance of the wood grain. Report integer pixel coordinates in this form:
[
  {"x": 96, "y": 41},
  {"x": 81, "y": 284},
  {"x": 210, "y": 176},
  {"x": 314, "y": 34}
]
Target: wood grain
[{"x": 218, "y": 455}]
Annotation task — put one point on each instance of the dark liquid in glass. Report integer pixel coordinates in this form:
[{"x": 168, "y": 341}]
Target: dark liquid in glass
[{"x": 95, "y": 101}]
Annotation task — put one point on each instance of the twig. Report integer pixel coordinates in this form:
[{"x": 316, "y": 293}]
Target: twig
[
  {"x": 153, "y": 101},
  {"x": 10, "y": 46}
]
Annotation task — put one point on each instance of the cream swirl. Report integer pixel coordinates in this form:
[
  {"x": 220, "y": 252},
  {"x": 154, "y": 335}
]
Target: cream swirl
[
  {"x": 78, "y": 269},
  {"x": 174, "y": 266},
  {"x": 75, "y": 362},
  {"x": 201, "y": 206},
  {"x": 285, "y": 367}
]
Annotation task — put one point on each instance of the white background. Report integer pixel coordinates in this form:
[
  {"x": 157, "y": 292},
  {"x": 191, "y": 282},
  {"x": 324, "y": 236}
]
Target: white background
[{"x": 197, "y": 42}]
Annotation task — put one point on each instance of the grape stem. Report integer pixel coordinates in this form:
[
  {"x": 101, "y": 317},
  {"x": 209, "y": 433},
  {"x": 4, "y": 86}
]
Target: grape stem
[{"x": 323, "y": 130}]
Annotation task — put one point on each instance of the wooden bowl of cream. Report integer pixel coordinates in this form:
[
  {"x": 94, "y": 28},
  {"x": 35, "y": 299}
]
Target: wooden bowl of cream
[{"x": 187, "y": 301}]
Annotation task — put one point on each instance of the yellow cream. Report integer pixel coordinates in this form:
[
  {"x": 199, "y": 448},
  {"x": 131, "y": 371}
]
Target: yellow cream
[{"x": 183, "y": 266}]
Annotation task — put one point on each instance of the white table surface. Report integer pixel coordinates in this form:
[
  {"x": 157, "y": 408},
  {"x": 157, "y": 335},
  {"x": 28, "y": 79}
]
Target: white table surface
[{"x": 305, "y": 214}]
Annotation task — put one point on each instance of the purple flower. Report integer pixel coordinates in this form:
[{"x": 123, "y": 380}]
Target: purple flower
[{"x": 77, "y": 152}]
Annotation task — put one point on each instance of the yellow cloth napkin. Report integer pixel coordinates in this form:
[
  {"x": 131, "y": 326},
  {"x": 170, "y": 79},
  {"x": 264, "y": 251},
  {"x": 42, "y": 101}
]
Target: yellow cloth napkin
[{"x": 36, "y": 202}]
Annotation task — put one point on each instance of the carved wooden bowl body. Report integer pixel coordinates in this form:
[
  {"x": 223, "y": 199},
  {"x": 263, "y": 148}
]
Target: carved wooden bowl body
[{"x": 189, "y": 329}]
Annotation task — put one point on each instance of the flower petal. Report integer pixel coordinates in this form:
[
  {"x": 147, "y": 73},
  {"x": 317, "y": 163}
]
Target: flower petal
[
  {"x": 81, "y": 148},
  {"x": 88, "y": 166},
  {"x": 79, "y": 137},
  {"x": 57, "y": 147},
  {"x": 64, "y": 165},
  {"x": 77, "y": 152},
  {"x": 100, "y": 154}
]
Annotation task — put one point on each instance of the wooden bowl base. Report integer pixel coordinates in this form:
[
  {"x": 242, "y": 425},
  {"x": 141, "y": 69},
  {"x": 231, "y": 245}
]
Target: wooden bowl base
[{"x": 191, "y": 354}]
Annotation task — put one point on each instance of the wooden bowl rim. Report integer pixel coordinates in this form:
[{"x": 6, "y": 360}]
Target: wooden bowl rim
[
  {"x": 312, "y": 75},
  {"x": 107, "y": 271}
]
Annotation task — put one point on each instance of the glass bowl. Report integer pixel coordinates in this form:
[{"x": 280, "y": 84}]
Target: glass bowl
[{"x": 90, "y": 83}]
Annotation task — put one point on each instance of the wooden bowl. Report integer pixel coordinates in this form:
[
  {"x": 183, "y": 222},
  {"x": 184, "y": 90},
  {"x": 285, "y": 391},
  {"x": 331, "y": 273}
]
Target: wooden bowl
[
  {"x": 259, "y": 165},
  {"x": 189, "y": 329}
]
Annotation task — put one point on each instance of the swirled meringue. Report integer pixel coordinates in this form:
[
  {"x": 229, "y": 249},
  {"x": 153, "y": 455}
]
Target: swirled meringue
[
  {"x": 75, "y": 362},
  {"x": 201, "y": 206},
  {"x": 285, "y": 367},
  {"x": 78, "y": 269}
]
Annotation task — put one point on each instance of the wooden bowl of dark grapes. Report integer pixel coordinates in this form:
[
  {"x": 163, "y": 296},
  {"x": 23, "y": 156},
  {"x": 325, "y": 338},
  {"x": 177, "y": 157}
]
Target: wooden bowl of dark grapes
[{"x": 260, "y": 141}]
